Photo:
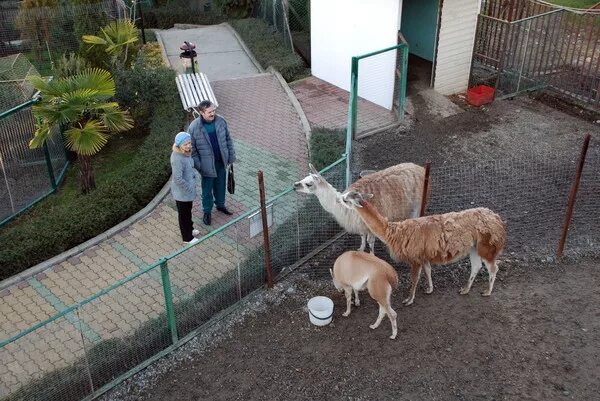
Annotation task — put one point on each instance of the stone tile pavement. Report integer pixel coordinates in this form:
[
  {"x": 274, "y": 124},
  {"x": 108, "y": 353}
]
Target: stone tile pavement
[
  {"x": 326, "y": 105},
  {"x": 268, "y": 135}
]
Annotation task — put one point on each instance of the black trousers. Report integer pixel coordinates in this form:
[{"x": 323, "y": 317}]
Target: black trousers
[{"x": 186, "y": 226}]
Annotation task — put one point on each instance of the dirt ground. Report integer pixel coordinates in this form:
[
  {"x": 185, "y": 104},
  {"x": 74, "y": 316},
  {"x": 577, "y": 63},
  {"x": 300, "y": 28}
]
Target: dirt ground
[{"x": 535, "y": 338}]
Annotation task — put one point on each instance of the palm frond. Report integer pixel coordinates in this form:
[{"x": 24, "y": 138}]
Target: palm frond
[
  {"x": 39, "y": 137},
  {"x": 87, "y": 140},
  {"x": 116, "y": 120}
]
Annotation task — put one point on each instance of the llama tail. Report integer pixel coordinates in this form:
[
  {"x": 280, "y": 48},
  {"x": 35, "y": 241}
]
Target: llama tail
[{"x": 392, "y": 277}]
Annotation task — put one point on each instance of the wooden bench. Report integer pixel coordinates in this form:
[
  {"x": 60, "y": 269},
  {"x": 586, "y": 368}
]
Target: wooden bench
[{"x": 193, "y": 89}]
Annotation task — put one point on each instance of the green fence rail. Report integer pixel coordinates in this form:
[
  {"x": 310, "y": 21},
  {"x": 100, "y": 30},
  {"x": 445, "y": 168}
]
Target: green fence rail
[
  {"x": 377, "y": 90},
  {"x": 27, "y": 175},
  {"x": 92, "y": 345}
]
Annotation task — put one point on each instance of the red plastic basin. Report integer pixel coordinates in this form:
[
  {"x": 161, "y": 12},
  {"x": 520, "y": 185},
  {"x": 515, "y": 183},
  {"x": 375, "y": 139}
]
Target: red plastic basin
[{"x": 480, "y": 95}]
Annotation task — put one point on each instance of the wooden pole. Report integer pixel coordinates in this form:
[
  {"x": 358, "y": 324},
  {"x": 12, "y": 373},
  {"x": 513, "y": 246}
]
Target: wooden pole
[
  {"x": 265, "y": 225},
  {"x": 425, "y": 189},
  {"x": 572, "y": 196}
]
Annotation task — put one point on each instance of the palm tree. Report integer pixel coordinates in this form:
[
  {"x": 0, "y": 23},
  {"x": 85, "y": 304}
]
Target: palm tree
[
  {"x": 116, "y": 39},
  {"x": 81, "y": 105}
]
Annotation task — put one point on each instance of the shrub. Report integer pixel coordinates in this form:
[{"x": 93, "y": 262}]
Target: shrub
[
  {"x": 326, "y": 146},
  {"x": 70, "y": 65},
  {"x": 269, "y": 49},
  {"x": 142, "y": 90},
  {"x": 150, "y": 55}
]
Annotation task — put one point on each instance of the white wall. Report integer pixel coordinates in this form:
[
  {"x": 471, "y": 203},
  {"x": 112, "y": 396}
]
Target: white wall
[
  {"x": 341, "y": 29},
  {"x": 455, "y": 45}
]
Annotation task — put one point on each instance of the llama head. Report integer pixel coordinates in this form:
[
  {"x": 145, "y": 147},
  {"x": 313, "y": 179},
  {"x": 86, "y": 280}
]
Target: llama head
[
  {"x": 354, "y": 199},
  {"x": 311, "y": 182}
]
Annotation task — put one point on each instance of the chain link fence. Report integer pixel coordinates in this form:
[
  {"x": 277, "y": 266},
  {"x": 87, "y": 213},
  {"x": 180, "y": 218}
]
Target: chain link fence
[
  {"x": 94, "y": 344},
  {"x": 26, "y": 175},
  {"x": 289, "y": 18},
  {"x": 44, "y": 34}
]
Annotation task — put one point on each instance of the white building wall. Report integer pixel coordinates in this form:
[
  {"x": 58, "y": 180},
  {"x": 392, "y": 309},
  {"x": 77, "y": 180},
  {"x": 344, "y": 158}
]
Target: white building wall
[
  {"x": 341, "y": 29},
  {"x": 455, "y": 45}
]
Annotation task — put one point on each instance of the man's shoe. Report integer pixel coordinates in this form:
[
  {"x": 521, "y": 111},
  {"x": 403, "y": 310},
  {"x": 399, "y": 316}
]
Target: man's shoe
[
  {"x": 193, "y": 241},
  {"x": 224, "y": 210},
  {"x": 206, "y": 219},
  {"x": 195, "y": 232}
]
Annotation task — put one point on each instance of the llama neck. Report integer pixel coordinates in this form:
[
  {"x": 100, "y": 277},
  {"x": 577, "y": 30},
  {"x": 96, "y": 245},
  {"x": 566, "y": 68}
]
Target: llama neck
[
  {"x": 328, "y": 198},
  {"x": 375, "y": 221}
]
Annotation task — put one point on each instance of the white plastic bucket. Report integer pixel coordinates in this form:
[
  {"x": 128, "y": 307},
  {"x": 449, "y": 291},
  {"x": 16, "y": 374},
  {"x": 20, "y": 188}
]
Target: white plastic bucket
[{"x": 320, "y": 310}]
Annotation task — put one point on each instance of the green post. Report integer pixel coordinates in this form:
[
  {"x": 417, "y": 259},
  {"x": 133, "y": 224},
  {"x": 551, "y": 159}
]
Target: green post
[
  {"x": 49, "y": 165},
  {"x": 164, "y": 271},
  {"x": 402, "y": 91},
  {"x": 352, "y": 113}
]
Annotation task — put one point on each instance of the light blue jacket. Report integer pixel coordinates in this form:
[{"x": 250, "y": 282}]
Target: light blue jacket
[
  {"x": 183, "y": 183},
  {"x": 202, "y": 151}
]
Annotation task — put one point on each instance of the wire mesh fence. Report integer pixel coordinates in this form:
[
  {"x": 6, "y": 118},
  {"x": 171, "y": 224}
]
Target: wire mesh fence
[
  {"x": 94, "y": 344},
  {"x": 525, "y": 45},
  {"x": 44, "y": 34},
  {"x": 289, "y": 18},
  {"x": 26, "y": 175},
  {"x": 378, "y": 90}
]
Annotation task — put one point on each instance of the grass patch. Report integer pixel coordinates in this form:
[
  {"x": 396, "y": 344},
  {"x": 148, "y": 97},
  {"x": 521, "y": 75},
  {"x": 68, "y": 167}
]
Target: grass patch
[
  {"x": 269, "y": 49},
  {"x": 326, "y": 146}
]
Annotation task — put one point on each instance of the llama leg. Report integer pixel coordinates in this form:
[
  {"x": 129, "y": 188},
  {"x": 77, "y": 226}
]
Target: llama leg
[
  {"x": 379, "y": 317},
  {"x": 392, "y": 315},
  {"x": 363, "y": 243},
  {"x": 415, "y": 274},
  {"x": 492, "y": 268},
  {"x": 348, "y": 292},
  {"x": 475, "y": 266},
  {"x": 427, "y": 267},
  {"x": 356, "y": 300},
  {"x": 371, "y": 240}
]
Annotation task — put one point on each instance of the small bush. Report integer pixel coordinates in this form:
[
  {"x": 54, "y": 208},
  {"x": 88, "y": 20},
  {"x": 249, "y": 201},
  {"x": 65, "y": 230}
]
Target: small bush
[
  {"x": 143, "y": 89},
  {"x": 326, "y": 146},
  {"x": 150, "y": 55},
  {"x": 269, "y": 49}
]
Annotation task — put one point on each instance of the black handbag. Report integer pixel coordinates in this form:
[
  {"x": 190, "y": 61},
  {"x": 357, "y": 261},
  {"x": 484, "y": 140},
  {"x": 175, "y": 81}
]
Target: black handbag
[{"x": 230, "y": 180}]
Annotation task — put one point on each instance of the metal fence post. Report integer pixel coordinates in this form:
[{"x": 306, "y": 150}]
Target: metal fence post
[
  {"x": 403, "y": 78},
  {"x": 265, "y": 225},
  {"x": 425, "y": 189},
  {"x": 166, "y": 281},
  {"x": 352, "y": 113},
  {"x": 49, "y": 165},
  {"x": 573, "y": 196}
]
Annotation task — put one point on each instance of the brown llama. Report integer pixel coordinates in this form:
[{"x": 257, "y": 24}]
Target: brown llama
[{"x": 438, "y": 239}]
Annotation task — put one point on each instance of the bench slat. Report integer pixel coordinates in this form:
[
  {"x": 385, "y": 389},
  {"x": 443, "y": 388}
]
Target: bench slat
[{"x": 193, "y": 89}]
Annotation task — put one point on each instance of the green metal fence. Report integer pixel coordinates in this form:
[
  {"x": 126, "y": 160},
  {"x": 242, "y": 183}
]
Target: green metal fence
[
  {"x": 26, "y": 175},
  {"x": 377, "y": 90},
  {"x": 96, "y": 343}
]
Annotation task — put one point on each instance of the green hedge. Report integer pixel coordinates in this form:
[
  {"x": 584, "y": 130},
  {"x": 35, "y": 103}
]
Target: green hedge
[
  {"x": 269, "y": 49},
  {"x": 166, "y": 16},
  {"x": 53, "y": 227}
]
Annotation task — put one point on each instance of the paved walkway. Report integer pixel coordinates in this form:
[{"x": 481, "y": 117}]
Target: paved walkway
[{"x": 268, "y": 135}]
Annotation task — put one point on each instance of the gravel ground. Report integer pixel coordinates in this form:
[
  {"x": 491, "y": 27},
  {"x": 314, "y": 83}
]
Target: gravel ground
[{"x": 535, "y": 338}]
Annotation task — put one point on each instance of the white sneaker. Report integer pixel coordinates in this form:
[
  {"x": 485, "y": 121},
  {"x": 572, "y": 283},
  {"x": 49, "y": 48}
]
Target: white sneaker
[
  {"x": 195, "y": 240},
  {"x": 195, "y": 232}
]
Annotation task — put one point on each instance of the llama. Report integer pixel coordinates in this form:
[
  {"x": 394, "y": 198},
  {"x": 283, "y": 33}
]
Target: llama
[
  {"x": 438, "y": 239},
  {"x": 398, "y": 188},
  {"x": 355, "y": 271}
]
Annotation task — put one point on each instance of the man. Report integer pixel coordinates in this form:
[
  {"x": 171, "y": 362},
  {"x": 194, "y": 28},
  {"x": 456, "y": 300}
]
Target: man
[{"x": 212, "y": 151}]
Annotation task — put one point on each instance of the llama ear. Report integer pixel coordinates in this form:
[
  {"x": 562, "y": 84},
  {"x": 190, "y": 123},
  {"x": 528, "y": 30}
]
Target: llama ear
[
  {"x": 312, "y": 168},
  {"x": 367, "y": 196}
]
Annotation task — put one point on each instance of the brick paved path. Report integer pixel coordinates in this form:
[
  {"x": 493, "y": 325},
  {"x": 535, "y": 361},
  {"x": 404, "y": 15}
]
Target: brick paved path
[{"x": 268, "y": 135}]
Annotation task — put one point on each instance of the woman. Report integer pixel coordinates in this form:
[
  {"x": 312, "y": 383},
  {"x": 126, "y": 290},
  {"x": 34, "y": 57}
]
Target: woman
[{"x": 183, "y": 185}]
